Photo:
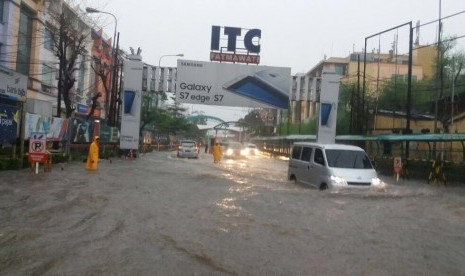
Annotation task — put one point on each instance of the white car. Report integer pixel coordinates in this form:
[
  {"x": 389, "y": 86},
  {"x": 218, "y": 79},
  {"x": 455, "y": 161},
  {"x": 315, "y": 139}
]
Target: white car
[
  {"x": 250, "y": 149},
  {"x": 189, "y": 149}
]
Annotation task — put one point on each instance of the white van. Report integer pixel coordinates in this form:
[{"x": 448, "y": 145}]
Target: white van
[{"x": 331, "y": 165}]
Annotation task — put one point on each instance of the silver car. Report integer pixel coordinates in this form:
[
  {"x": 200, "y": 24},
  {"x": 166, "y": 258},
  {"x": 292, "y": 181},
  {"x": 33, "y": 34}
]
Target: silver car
[{"x": 189, "y": 149}]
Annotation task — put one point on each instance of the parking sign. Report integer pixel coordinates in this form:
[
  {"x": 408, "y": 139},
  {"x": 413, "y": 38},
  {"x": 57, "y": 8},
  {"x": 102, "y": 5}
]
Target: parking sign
[{"x": 37, "y": 147}]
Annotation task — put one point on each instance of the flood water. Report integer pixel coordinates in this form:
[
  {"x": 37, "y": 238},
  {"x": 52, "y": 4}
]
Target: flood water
[{"x": 167, "y": 216}]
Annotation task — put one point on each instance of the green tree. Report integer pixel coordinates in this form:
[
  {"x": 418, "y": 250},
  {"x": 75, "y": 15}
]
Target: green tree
[{"x": 167, "y": 122}]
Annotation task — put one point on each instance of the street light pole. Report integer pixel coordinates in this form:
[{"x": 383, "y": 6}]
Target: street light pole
[
  {"x": 113, "y": 61},
  {"x": 159, "y": 67},
  {"x": 177, "y": 55}
]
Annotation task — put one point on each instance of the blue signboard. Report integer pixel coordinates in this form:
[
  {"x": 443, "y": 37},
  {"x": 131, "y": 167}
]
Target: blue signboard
[
  {"x": 9, "y": 120},
  {"x": 82, "y": 108}
]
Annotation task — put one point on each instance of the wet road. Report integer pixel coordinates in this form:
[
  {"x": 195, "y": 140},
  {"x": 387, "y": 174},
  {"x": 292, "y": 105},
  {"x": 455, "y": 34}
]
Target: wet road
[{"x": 167, "y": 216}]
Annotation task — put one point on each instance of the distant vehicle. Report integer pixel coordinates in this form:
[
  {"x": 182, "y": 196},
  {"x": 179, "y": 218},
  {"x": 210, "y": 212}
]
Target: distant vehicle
[
  {"x": 331, "y": 165},
  {"x": 250, "y": 149},
  {"x": 188, "y": 148},
  {"x": 232, "y": 150}
]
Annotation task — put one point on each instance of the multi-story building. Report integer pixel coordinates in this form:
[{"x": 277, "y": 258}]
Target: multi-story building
[
  {"x": 100, "y": 81},
  {"x": 379, "y": 69},
  {"x": 29, "y": 32}
]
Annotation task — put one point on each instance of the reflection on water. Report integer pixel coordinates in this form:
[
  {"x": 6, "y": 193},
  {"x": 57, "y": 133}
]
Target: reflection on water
[{"x": 228, "y": 204}]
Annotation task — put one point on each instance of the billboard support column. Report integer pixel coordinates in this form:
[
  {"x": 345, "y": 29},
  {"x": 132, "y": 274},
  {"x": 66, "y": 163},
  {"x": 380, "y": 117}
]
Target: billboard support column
[
  {"x": 327, "y": 118},
  {"x": 131, "y": 109}
]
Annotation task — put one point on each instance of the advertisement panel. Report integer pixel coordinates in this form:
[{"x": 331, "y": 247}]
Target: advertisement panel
[
  {"x": 13, "y": 85},
  {"x": 84, "y": 131},
  {"x": 130, "y": 116},
  {"x": 327, "y": 118},
  {"x": 54, "y": 128},
  {"x": 9, "y": 121},
  {"x": 233, "y": 84}
]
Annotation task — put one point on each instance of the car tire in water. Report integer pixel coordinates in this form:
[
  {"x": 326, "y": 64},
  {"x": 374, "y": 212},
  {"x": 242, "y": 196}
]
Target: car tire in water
[{"x": 323, "y": 186}]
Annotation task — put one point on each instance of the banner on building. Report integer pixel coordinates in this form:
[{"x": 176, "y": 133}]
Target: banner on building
[
  {"x": 108, "y": 134},
  {"x": 9, "y": 121},
  {"x": 83, "y": 130},
  {"x": 13, "y": 85},
  {"x": 55, "y": 128},
  {"x": 232, "y": 84},
  {"x": 130, "y": 115}
]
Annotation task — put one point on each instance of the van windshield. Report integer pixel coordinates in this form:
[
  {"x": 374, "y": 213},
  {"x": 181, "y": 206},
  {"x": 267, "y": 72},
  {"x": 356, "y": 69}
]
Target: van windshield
[{"x": 349, "y": 159}]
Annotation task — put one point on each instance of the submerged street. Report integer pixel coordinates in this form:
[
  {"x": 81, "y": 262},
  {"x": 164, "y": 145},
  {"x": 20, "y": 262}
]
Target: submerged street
[{"x": 162, "y": 215}]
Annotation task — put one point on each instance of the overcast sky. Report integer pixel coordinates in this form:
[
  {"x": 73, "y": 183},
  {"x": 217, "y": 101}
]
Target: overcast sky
[{"x": 295, "y": 33}]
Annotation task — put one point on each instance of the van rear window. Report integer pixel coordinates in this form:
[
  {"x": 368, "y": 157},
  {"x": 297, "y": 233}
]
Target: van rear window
[{"x": 350, "y": 159}]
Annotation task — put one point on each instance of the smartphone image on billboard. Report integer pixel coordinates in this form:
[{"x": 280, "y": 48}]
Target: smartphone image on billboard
[
  {"x": 128, "y": 101},
  {"x": 264, "y": 86},
  {"x": 325, "y": 114}
]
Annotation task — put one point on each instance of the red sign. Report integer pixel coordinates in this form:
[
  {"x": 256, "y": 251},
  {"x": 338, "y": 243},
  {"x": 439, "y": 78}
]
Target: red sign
[
  {"x": 37, "y": 147},
  {"x": 397, "y": 164},
  {"x": 226, "y": 57}
]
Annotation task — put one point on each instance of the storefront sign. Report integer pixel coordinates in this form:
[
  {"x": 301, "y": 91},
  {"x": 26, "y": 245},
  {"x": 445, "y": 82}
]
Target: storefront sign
[
  {"x": 9, "y": 121},
  {"x": 13, "y": 85}
]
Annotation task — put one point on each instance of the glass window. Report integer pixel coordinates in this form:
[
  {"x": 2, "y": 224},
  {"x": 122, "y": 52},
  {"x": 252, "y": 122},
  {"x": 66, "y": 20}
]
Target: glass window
[
  {"x": 144, "y": 78},
  {"x": 49, "y": 39},
  {"x": 24, "y": 42},
  {"x": 82, "y": 74},
  {"x": 296, "y": 152},
  {"x": 340, "y": 69},
  {"x": 152, "y": 79},
  {"x": 2, "y": 3},
  {"x": 306, "y": 153},
  {"x": 47, "y": 75},
  {"x": 318, "y": 157},
  {"x": 350, "y": 159}
]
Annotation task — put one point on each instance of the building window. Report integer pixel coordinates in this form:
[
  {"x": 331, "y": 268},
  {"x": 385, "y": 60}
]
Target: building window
[
  {"x": 49, "y": 40},
  {"x": 48, "y": 74},
  {"x": 24, "y": 42},
  {"x": 82, "y": 74},
  {"x": 2, "y": 3},
  {"x": 340, "y": 69},
  {"x": 144, "y": 78}
]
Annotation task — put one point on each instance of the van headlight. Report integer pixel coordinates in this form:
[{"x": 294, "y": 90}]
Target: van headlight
[
  {"x": 376, "y": 181},
  {"x": 229, "y": 152},
  {"x": 338, "y": 181}
]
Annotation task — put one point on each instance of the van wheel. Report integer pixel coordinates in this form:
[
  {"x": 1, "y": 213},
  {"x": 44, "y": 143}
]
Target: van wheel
[
  {"x": 293, "y": 179},
  {"x": 323, "y": 186}
]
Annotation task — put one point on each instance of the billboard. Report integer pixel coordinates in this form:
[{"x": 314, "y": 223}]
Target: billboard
[
  {"x": 328, "y": 108},
  {"x": 13, "y": 85},
  {"x": 9, "y": 121},
  {"x": 132, "y": 98},
  {"x": 54, "y": 128},
  {"x": 224, "y": 46},
  {"x": 233, "y": 84}
]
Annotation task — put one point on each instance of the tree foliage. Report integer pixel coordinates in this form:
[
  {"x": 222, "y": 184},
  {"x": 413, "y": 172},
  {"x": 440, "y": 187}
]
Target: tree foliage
[{"x": 167, "y": 122}]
